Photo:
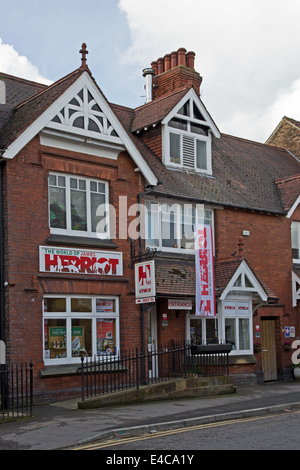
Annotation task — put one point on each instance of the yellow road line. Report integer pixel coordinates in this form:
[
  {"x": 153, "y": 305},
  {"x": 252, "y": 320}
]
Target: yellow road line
[{"x": 114, "y": 442}]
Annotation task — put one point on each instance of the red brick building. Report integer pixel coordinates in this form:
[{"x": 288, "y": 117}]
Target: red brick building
[{"x": 73, "y": 169}]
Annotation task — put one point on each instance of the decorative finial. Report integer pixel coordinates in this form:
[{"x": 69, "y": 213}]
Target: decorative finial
[{"x": 83, "y": 52}]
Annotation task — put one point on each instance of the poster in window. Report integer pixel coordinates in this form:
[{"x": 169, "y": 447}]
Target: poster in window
[{"x": 105, "y": 337}]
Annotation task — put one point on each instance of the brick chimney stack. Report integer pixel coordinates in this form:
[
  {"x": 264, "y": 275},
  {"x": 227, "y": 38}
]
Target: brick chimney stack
[{"x": 174, "y": 71}]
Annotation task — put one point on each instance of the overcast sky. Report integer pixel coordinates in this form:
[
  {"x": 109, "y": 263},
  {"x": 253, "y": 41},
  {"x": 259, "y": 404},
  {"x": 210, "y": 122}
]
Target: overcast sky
[{"x": 247, "y": 51}]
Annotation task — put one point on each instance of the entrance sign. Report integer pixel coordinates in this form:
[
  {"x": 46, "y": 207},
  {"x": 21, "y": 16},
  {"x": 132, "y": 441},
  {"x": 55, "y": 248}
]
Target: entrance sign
[
  {"x": 205, "y": 276},
  {"x": 145, "y": 281},
  {"x": 174, "y": 304},
  {"x": 69, "y": 260}
]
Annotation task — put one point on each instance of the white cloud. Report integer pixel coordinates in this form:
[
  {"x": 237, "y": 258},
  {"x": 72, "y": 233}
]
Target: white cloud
[
  {"x": 14, "y": 64},
  {"x": 246, "y": 52},
  {"x": 263, "y": 121}
]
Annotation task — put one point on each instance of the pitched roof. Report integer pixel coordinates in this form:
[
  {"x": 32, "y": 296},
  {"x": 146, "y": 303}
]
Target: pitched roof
[
  {"x": 26, "y": 112},
  {"x": 178, "y": 277},
  {"x": 155, "y": 111},
  {"x": 244, "y": 173},
  {"x": 289, "y": 189}
]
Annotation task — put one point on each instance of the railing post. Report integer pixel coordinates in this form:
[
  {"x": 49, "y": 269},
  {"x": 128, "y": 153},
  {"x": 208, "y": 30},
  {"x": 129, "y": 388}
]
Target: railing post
[
  {"x": 82, "y": 378},
  {"x": 31, "y": 388},
  {"x": 137, "y": 368}
]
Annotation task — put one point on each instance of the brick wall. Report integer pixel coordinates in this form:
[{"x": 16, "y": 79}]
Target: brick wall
[
  {"x": 26, "y": 219},
  {"x": 287, "y": 136},
  {"x": 267, "y": 249}
]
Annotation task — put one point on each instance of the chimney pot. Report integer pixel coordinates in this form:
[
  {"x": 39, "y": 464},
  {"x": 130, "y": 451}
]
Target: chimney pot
[
  {"x": 160, "y": 65},
  {"x": 154, "y": 66},
  {"x": 190, "y": 60},
  {"x": 173, "y": 59},
  {"x": 167, "y": 60},
  {"x": 181, "y": 56}
]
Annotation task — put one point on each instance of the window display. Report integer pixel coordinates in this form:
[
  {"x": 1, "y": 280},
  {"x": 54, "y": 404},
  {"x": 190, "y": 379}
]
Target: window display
[{"x": 79, "y": 326}]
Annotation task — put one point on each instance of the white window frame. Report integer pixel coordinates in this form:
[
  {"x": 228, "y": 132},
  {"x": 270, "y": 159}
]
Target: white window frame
[
  {"x": 189, "y": 120},
  {"x": 191, "y": 316},
  {"x": 80, "y": 233},
  {"x": 68, "y": 316},
  {"x": 178, "y": 208},
  {"x": 235, "y": 315},
  {"x": 195, "y": 137},
  {"x": 295, "y": 239}
]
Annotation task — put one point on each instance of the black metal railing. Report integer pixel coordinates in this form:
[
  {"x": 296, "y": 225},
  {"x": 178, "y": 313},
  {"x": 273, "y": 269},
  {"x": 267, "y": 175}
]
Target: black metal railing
[
  {"x": 107, "y": 374},
  {"x": 16, "y": 390}
]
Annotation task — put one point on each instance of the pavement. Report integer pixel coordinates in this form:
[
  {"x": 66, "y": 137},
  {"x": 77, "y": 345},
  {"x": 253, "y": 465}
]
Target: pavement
[{"x": 62, "y": 425}]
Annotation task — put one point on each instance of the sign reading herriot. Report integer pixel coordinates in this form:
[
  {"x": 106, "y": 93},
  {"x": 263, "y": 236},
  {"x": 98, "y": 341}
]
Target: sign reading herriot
[
  {"x": 205, "y": 280},
  {"x": 69, "y": 260},
  {"x": 145, "y": 280}
]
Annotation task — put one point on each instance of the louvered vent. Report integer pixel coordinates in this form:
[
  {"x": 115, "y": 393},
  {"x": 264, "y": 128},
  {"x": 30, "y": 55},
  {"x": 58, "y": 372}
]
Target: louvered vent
[{"x": 188, "y": 155}]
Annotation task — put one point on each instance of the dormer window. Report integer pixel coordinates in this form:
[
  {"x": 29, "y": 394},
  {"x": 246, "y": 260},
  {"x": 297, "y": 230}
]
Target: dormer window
[{"x": 187, "y": 136}]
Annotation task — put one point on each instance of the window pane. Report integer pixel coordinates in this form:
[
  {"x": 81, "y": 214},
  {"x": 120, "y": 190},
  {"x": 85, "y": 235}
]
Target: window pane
[
  {"x": 81, "y": 305},
  {"x": 57, "y": 207},
  {"x": 211, "y": 331},
  {"x": 188, "y": 221},
  {"x": 196, "y": 331},
  {"x": 168, "y": 231},
  {"x": 178, "y": 124},
  {"x": 196, "y": 113},
  {"x": 175, "y": 148},
  {"x": 105, "y": 305},
  {"x": 78, "y": 210},
  {"x": 55, "y": 340},
  {"x": 106, "y": 336},
  {"x": 230, "y": 334},
  {"x": 185, "y": 109},
  {"x": 198, "y": 129},
  {"x": 55, "y": 305},
  {"x": 98, "y": 200},
  {"x": 244, "y": 336},
  {"x": 152, "y": 224},
  {"x": 204, "y": 216},
  {"x": 81, "y": 337},
  {"x": 296, "y": 240},
  {"x": 201, "y": 155}
]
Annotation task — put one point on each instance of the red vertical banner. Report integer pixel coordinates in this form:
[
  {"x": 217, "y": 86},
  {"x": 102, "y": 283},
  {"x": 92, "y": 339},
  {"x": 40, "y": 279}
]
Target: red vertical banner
[{"x": 205, "y": 275}]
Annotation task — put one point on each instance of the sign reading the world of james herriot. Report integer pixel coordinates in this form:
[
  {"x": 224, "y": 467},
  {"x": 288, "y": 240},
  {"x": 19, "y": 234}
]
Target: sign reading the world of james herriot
[{"x": 74, "y": 261}]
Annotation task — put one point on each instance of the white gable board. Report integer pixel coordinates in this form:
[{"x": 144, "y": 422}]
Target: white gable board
[
  {"x": 247, "y": 282},
  {"x": 82, "y": 114}
]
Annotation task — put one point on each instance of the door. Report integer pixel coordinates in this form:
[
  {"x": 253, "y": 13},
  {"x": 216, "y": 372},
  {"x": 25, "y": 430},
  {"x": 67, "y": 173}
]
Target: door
[
  {"x": 268, "y": 338},
  {"x": 152, "y": 342}
]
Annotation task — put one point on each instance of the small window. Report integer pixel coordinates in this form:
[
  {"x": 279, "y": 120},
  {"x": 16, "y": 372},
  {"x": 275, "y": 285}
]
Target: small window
[
  {"x": 296, "y": 241},
  {"x": 187, "y": 142}
]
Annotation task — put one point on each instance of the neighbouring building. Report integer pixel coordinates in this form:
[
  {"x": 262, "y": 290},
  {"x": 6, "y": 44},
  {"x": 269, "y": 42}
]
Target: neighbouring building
[
  {"x": 89, "y": 187},
  {"x": 287, "y": 135}
]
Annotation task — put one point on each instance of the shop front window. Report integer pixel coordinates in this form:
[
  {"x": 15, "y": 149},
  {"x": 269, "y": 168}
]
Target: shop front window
[
  {"x": 80, "y": 326},
  {"x": 237, "y": 317},
  {"x": 203, "y": 330}
]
